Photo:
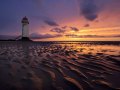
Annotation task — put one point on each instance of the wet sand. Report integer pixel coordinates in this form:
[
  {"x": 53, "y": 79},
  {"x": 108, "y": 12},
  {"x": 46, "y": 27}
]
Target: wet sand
[{"x": 59, "y": 66}]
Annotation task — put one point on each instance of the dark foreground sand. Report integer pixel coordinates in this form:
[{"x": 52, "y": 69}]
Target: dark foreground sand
[{"x": 42, "y": 66}]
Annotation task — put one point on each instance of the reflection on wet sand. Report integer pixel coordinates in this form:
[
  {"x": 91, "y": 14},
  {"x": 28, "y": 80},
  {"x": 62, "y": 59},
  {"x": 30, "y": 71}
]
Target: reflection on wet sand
[{"x": 59, "y": 66}]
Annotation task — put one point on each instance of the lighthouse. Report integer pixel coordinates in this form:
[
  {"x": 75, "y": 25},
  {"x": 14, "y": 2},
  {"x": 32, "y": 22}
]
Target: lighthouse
[{"x": 25, "y": 29}]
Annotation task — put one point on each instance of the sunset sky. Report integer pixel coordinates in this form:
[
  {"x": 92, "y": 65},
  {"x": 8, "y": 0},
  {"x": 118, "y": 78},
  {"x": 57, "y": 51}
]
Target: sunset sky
[{"x": 59, "y": 20}]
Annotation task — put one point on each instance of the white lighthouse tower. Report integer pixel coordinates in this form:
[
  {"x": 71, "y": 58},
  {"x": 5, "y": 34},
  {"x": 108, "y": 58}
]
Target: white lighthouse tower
[{"x": 25, "y": 28}]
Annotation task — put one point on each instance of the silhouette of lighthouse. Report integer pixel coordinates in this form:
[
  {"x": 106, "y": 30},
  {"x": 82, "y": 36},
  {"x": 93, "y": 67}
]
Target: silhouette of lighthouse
[{"x": 25, "y": 29}]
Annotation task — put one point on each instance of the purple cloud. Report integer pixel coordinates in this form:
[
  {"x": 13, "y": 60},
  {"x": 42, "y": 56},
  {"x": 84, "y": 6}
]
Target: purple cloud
[
  {"x": 64, "y": 27},
  {"x": 86, "y": 25},
  {"x": 51, "y": 23},
  {"x": 74, "y": 29},
  {"x": 58, "y": 30},
  {"x": 89, "y": 9},
  {"x": 91, "y": 36}
]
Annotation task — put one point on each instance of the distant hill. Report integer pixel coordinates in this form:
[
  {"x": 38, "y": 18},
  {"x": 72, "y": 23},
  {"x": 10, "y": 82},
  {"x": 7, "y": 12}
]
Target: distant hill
[{"x": 7, "y": 37}]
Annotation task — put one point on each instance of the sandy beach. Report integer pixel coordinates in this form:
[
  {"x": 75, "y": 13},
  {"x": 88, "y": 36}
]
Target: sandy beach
[{"x": 59, "y": 66}]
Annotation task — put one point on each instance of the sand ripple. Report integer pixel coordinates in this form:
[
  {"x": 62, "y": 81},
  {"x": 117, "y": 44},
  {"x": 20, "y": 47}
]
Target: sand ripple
[{"x": 36, "y": 66}]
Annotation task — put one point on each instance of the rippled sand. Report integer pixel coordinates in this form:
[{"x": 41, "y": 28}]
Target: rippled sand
[{"x": 60, "y": 66}]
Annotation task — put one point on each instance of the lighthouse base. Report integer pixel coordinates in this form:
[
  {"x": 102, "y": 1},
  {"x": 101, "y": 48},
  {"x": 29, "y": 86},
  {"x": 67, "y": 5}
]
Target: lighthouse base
[{"x": 25, "y": 39}]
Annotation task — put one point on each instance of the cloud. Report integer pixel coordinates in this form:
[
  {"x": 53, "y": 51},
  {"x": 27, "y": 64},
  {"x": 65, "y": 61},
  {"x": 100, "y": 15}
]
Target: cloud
[
  {"x": 46, "y": 19},
  {"x": 86, "y": 25},
  {"x": 74, "y": 29},
  {"x": 58, "y": 30},
  {"x": 44, "y": 36},
  {"x": 65, "y": 27},
  {"x": 71, "y": 35},
  {"x": 89, "y": 9},
  {"x": 91, "y": 36},
  {"x": 50, "y": 22},
  {"x": 116, "y": 35}
]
